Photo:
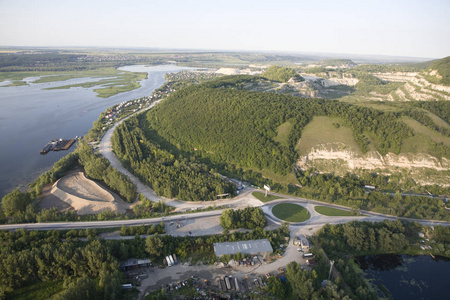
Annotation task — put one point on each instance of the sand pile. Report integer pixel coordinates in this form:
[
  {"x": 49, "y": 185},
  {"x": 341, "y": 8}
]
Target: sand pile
[{"x": 86, "y": 196}]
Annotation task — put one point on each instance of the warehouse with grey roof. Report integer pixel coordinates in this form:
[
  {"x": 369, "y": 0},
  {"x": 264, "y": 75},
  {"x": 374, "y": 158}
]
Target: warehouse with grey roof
[{"x": 255, "y": 247}]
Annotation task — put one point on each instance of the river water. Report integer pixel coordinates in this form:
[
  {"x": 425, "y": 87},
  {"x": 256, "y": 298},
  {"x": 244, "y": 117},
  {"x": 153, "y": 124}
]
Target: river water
[
  {"x": 31, "y": 116},
  {"x": 408, "y": 277}
]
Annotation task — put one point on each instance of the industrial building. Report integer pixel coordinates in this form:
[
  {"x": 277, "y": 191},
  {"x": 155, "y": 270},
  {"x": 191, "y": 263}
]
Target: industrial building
[
  {"x": 254, "y": 247},
  {"x": 303, "y": 242},
  {"x": 134, "y": 263}
]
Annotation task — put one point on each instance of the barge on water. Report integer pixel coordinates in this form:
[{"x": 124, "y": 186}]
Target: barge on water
[{"x": 58, "y": 145}]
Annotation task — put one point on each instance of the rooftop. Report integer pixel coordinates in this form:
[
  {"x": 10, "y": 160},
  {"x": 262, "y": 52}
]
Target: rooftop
[
  {"x": 248, "y": 247},
  {"x": 134, "y": 262}
]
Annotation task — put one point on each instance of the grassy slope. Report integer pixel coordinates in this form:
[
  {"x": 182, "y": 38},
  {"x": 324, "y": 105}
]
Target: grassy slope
[
  {"x": 321, "y": 130},
  {"x": 330, "y": 211},
  {"x": 437, "y": 120},
  {"x": 291, "y": 212},
  {"x": 289, "y": 178},
  {"x": 262, "y": 197},
  {"x": 422, "y": 134},
  {"x": 283, "y": 132}
]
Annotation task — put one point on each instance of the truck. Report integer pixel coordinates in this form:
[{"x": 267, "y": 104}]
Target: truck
[
  {"x": 169, "y": 263},
  {"x": 306, "y": 255},
  {"x": 171, "y": 260},
  {"x": 227, "y": 282},
  {"x": 236, "y": 283}
]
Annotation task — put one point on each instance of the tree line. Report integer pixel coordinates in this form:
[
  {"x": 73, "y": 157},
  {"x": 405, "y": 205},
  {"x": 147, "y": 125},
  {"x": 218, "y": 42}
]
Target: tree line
[
  {"x": 29, "y": 257},
  {"x": 249, "y": 218}
]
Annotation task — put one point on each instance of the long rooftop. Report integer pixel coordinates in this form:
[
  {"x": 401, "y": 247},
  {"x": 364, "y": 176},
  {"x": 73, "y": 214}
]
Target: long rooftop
[{"x": 248, "y": 247}]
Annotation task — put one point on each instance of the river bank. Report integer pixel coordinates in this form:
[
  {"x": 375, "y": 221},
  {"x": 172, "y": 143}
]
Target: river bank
[{"x": 30, "y": 116}]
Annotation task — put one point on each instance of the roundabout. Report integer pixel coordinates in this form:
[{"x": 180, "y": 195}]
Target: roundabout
[{"x": 291, "y": 212}]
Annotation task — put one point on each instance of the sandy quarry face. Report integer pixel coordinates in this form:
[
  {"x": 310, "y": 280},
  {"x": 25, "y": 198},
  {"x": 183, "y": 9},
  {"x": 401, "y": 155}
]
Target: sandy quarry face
[{"x": 86, "y": 196}]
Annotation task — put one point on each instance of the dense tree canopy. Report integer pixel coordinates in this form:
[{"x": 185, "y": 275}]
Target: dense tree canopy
[
  {"x": 249, "y": 217},
  {"x": 231, "y": 126},
  {"x": 168, "y": 175}
]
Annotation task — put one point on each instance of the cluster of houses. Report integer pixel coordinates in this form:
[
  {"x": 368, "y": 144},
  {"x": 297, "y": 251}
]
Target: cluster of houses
[{"x": 137, "y": 104}]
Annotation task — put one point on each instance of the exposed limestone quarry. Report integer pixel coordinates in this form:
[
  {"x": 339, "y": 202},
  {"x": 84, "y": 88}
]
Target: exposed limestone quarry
[
  {"x": 416, "y": 86},
  {"x": 336, "y": 157}
]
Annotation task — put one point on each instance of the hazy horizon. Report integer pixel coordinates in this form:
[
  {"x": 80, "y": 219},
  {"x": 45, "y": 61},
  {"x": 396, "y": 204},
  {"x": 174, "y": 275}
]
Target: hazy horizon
[{"x": 416, "y": 29}]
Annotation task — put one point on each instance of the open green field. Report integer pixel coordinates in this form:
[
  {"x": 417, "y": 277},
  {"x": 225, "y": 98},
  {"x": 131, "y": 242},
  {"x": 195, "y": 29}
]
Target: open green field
[
  {"x": 330, "y": 211},
  {"x": 321, "y": 130},
  {"x": 291, "y": 212},
  {"x": 262, "y": 196}
]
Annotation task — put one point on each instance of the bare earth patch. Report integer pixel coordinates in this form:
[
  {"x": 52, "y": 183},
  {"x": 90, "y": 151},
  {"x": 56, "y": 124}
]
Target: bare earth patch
[
  {"x": 47, "y": 200},
  {"x": 86, "y": 196}
]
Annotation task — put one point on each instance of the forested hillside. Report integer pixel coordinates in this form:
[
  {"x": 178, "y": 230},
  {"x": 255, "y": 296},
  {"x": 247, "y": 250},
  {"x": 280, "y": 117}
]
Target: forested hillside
[
  {"x": 227, "y": 125},
  {"x": 169, "y": 174}
]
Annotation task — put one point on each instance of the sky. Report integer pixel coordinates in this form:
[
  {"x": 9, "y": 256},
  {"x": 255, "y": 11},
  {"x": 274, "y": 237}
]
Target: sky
[{"x": 414, "y": 28}]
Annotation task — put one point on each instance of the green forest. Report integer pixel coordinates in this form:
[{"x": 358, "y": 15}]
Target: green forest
[
  {"x": 349, "y": 191},
  {"x": 249, "y": 218},
  {"x": 90, "y": 269},
  {"x": 168, "y": 174},
  {"x": 227, "y": 125},
  {"x": 180, "y": 147}
]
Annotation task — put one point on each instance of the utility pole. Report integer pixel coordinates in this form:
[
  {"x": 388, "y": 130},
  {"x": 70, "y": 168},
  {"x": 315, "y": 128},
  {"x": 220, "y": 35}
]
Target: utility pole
[{"x": 331, "y": 267}]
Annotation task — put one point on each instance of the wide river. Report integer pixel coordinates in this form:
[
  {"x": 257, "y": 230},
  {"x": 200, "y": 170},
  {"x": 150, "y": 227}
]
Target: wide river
[{"x": 31, "y": 116}]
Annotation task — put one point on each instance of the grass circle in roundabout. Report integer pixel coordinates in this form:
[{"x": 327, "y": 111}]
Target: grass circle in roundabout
[{"x": 291, "y": 212}]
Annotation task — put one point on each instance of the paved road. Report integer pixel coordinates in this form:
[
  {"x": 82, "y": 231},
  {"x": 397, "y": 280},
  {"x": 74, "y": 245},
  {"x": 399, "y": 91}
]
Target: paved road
[
  {"x": 105, "y": 149},
  {"x": 108, "y": 224},
  {"x": 318, "y": 219}
]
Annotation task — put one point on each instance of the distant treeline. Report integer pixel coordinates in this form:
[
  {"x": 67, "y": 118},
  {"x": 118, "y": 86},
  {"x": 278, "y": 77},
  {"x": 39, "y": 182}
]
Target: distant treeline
[
  {"x": 384, "y": 68},
  {"x": 12, "y": 62}
]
